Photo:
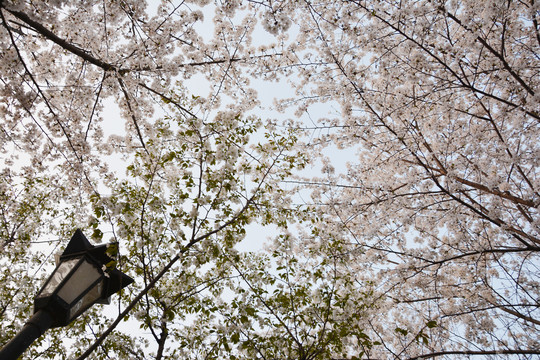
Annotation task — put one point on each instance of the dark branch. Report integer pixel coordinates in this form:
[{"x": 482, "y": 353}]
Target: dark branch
[
  {"x": 478, "y": 353},
  {"x": 62, "y": 42}
]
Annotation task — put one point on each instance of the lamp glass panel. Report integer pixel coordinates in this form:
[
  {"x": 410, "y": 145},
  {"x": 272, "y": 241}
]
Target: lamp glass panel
[
  {"x": 83, "y": 277},
  {"x": 87, "y": 300},
  {"x": 58, "y": 276}
]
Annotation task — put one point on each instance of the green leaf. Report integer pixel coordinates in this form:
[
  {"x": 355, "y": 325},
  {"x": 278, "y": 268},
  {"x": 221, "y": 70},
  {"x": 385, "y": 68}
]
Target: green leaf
[
  {"x": 431, "y": 324},
  {"x": 401, "y": 331},
  {"x": 97, "y": 235}
]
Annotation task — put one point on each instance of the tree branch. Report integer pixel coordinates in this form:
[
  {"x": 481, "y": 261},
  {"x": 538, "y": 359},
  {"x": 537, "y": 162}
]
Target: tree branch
[
  {"x": 477, "y": 353},
  {"x": 62, "y": 42}
]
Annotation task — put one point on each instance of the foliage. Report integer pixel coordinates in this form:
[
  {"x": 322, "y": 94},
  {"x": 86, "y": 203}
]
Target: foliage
[{"x": 283, "y": 306}]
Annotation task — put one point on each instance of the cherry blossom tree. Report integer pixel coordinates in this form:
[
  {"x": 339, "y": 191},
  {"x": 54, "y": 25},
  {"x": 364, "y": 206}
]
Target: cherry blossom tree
[
  {"x": 438, "y": 101},
  {"x": 423, "y": 243}
]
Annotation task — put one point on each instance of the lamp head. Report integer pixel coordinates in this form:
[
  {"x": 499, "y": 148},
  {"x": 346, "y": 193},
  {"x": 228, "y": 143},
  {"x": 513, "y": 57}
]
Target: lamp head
[{"x": 81, "y": 279}]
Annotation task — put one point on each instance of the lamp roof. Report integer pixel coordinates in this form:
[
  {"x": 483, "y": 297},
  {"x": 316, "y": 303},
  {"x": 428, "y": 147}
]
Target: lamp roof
[
  {"x": 116, "y": 281},
  {"x": 79, "y": 245}
]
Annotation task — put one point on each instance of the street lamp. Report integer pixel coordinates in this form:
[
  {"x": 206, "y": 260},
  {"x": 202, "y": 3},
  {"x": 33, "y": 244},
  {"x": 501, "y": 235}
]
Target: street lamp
[{"x": 84, "y": 275}]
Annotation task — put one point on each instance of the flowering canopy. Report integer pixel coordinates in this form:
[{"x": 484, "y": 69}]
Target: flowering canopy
[{"x": 418, "y": 238}]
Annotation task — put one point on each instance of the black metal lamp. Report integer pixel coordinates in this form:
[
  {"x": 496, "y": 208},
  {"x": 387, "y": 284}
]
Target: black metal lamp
[
  {"x": 80, "y": 280},
  {"x": 84, "y": 275}
]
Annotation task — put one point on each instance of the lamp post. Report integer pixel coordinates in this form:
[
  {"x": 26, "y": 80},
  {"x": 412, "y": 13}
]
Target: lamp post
[{"x": 83, "y": 277}]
